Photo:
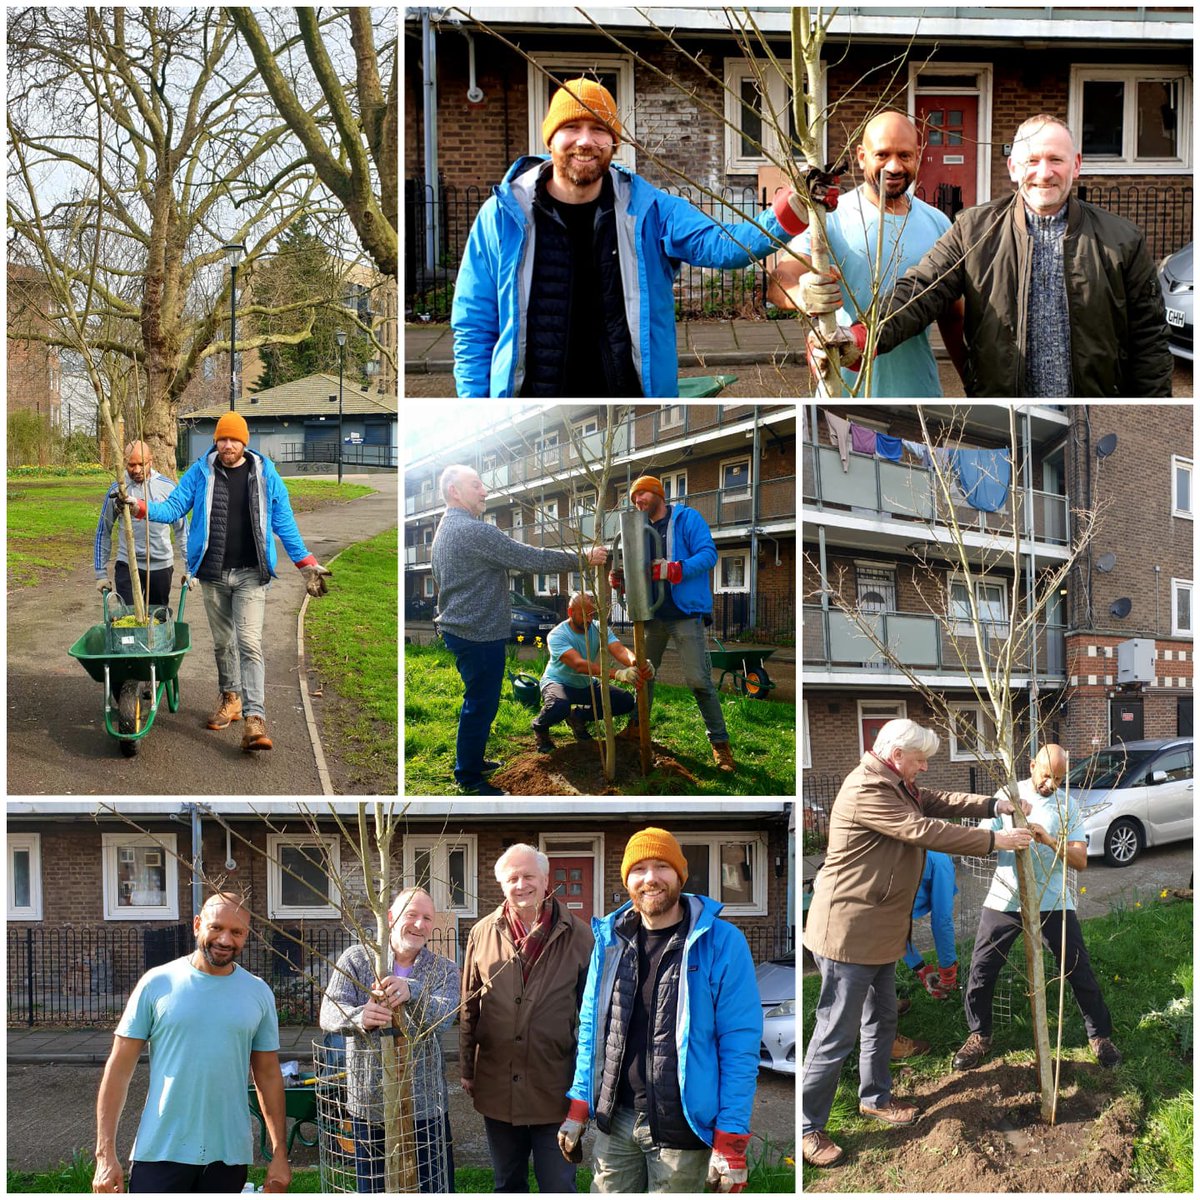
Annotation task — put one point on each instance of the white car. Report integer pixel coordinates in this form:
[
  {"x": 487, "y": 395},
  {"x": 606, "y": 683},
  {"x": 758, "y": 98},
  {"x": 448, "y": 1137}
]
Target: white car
[
  {"x": 1133, "y": 795},
  {"x": 777, "y": 992}
]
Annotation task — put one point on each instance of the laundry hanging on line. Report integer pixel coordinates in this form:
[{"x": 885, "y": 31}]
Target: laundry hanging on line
[{"x": 984, "y": 476}]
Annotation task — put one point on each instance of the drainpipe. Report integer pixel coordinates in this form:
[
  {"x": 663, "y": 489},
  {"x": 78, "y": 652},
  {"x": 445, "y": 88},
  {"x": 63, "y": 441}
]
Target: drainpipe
[
  {"x": 429, "y": 112},
  {"x": 1029, "y": 530},
  {"x": 754, "y": 482},
  {"x": 197, "y": 860}
]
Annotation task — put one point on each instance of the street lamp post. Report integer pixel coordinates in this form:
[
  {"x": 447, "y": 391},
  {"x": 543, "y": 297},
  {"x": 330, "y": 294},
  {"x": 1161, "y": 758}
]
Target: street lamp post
[
  {"x": 341, "y": 341},
  {"x": 234, "y": 252}
]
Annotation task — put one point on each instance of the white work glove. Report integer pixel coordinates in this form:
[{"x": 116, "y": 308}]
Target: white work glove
[
  {"x": 570, "y": 1132},
  {"x": 102, "y": 586},
  {"x": 626, "y": 675},
  {"x": 815, "y": 293}
]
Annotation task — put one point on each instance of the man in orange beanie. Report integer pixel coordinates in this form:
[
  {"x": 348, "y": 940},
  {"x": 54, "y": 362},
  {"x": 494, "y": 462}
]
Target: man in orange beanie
[
  {"x": 685, "y": 571},
  {"x": 567, "y": 284},
  {"x": 238, "y": 504},
  {"x": 671, "y": 1098}
]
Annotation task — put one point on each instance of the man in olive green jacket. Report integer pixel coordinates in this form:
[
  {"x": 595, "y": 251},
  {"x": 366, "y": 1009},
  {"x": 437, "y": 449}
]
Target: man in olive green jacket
[
  {"x": 860, "y": 917},
  {"x": 1062, "y": 298},
  {"x": 523, "y": 976}
]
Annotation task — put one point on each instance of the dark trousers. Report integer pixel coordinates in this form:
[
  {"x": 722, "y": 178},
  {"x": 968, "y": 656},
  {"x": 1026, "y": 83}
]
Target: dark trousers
[
  {"x": 510, "y": 1146},
  {"x": 435, "y": 1155},
  {"x": 160, "y": 584},
  {"x": 187, "y": 1177},
  {"x": 481, "y": 665},
  {"x": 558, "y": 700},
  {"x": 997, "y": 932}
]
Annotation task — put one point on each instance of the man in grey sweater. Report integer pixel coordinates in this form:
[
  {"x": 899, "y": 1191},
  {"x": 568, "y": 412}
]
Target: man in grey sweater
[{"x": 471, "y": 564}]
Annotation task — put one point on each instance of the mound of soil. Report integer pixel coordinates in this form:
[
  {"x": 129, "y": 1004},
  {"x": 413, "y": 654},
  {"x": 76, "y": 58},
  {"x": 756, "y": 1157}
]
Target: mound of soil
[
  {"x": 574, "y": 769},
  {"x": 981, "y": 1131}
]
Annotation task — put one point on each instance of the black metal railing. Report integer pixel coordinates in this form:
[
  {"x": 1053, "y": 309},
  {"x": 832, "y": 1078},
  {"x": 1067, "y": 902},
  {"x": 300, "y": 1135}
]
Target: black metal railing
[
  {"x": 1163, "y": 213},
  {"x": 354, "y": 454},
  {"x": 770, "y": 941}
]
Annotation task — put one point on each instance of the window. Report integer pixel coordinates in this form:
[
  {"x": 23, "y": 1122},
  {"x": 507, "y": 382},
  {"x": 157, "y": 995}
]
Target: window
[
  {"x": 973, "y": 730},
  {"x": 542, "y": 586},
  {"x": 614, "y": 71},
  {"x": 582, "y": 504},
  {"x": 674, "y": 485},
  {"x": 990, "y": 598},
  {"x": 1181, "y": 607},
  {"x": 302, "y": 874},
  {"x": 574, "y": 581},
  {"x": 753, "y": 120},
  {"x": 141, "y": 880},
  {"x": 446, "y": 868},
  {"x": 489, "y": 518},
  {"x": 735, "y": 479},
  {"x": 872, "y": 716},
  {"x": 733, "y": 571},
  {"x": 518, "y": 518},
  {"x": 24, "y": 876},
  {"x": 1137, "y": 119},
  {"x": 729, "y": 867},
  {"x": 806, "y": 744},
  {"x": 670, "y": 416},
  {"x": 428, "y": 587},
  {"x": 490, "y": 462},
  {"x": 876, "y": 588},
  {"x": 1181, "y": 487}
]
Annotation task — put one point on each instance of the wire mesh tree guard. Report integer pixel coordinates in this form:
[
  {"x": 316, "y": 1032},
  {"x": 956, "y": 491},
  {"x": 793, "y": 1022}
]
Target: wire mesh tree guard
[{"x": 353, "y": 1117}]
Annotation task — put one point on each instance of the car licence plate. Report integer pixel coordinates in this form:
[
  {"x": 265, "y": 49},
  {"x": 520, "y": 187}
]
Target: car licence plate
[
  {"x": 1175, "y": 317},
  {"x": 545, "y": 626}
]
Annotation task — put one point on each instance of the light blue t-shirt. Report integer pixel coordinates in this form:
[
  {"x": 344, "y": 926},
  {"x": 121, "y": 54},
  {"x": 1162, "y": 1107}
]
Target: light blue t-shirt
[
  {"x": 201, "y": 1029},
  {"x": 853, "y": 231},
  {"x": 1052, "y": 813},
  {"x": 562, "y": 638}
]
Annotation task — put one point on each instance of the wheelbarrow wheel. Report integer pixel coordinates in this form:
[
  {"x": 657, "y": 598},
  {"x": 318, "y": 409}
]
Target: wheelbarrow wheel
[
  {"x": 130, "y": 714},
  {"x": 756, "y": 683}
]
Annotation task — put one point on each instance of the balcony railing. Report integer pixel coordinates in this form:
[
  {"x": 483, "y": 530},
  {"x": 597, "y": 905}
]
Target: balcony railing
[
  {"x": 417, "y": 555},
  {"x": 921, "y": 641},
  {"x": 886, "y": 490}
]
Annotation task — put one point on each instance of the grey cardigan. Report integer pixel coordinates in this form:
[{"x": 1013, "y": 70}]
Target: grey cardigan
[{"x": 435, "y": 987}]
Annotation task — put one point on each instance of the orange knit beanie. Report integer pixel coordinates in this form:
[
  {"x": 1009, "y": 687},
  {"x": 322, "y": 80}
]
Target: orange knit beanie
[
  {"x": 581, "y": 100},
  {"x": 232, "y": 425},
  {"x": 654, "y": 843}
]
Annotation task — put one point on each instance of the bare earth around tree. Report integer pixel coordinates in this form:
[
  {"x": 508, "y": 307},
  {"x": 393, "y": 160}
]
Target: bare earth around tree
[
  {"x": 981, "y": 1131},
  {"x": 574, "y": 769}
]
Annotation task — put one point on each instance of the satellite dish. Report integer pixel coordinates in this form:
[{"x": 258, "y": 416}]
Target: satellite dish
[
  {"x": 1106, "y": 562},
  {"x": 1120, "y": 608},
  {"x": 1106, "y": 445}
]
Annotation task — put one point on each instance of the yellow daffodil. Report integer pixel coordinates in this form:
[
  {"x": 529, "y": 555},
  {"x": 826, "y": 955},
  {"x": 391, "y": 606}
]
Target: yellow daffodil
[
  {"x": 1163, "y": 894},
  {"x": 520, "y": 637},
  {"x": 1083, "y": 891}
]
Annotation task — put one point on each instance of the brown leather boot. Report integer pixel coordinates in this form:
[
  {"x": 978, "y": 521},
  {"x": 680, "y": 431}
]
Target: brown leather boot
[
  {"x": 230, "y": 709},
  {"x": 723, "y": 756},
  {"x": 254, "y": 736},
  {"x": 629, "y": 734}
]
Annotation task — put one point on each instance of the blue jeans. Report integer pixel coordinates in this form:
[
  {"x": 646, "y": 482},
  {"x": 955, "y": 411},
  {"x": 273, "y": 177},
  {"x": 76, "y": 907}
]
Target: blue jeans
[
  {"x": 688, "y": 636},
  {"x": 510, "y": 1146},
  {"x": 857, "y": 1004},
  {"x": 237, "y": 607},
  {"x": 481, "y": 665},
  {"x": 435, "y": 1155}
]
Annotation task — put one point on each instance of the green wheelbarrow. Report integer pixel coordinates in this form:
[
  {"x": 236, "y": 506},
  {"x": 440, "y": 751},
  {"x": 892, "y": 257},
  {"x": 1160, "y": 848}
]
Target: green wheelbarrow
[
  {"x": 139, "y": 679},
  {"x": 745, "y": 666},
  {"x": 701, "y": 387},
  {"x": 300, "y": 1108}
]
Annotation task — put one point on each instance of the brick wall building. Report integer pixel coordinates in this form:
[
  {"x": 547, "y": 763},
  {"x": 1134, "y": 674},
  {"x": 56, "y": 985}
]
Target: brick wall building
[
  {"x": 33, "y": 372},
  {"x": 704, "y": 454},
  {"x": 102, "y": 897}
]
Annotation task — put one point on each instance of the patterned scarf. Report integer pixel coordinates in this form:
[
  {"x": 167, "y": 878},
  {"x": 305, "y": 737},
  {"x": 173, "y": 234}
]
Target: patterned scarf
[{"x": 531, "y": 941}]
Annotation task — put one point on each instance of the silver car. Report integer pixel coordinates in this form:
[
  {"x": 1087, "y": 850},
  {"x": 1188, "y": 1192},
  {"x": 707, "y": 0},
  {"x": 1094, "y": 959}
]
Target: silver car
[
  {"x": 1133, "y": 795},
  {"x": 777, "y": 992},
  {"x": 1175, "y": 279}
]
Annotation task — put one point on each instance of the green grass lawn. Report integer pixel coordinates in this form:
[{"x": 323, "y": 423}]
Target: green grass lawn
[
  {"x": 762, "y": 733},
  {"x": 52, "y": 521},
  {"x": 1142, "y": 956},
  {"x": 351, "y": 635}
]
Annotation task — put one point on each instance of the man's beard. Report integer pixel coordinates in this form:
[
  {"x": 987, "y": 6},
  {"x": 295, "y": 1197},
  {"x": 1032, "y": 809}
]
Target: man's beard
[
  {"x": 654, "y": 905},
  {"x": 581, "y": 174},
  {"x": 219, "y": 959},
  {"x": 894, "y": 192}
]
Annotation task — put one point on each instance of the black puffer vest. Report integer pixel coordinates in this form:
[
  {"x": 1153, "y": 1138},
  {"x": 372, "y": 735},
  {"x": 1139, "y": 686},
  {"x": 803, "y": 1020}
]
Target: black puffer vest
[
  {"x": 218, "y": 523},
  {"x": 668, "y": 1124},
  {"x": 548, "y": 317}
]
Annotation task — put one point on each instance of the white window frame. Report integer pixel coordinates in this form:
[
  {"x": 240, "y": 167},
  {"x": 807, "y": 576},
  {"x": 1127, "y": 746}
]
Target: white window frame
[
  {"x": 275, "y": 907},
  {"x": 110, "y": 845},
  {"x": 439, "y": 845},
  {"x": 738, "y": 70},
  {"x": 670, "y": 416},
  {"x": 959, "y": 752},
  {"x": 489, "y": 461},
  {"x": 428, "y": 587},
  {"x": 31, "y": 843},
  {"x": 1181, "y": 464},
  {"x": 518, "y": 517},
  {"x": 577, "y": 499},
  {"x": 759, "y": 866},
  {"x": 581, "y": 427},
  {"x": 574, "y": 581},
  {"x": 731, "y": 496},
  {"x": 582, "y": 64},
  {"x": 541, "y": 585},
  {"x": 961, "y": 627},
  {"x": 1127, "y": 163},
  {"x": 489, "y": 518},
  {"x": 722, "y": 555},
  {"x": 1177, "y": 586},
  {"x": 806, "y": 743},
  {"x": 983, "y": 89},
  {"x": 898, "y": 708},
  {"x": 670, "y": 482}
]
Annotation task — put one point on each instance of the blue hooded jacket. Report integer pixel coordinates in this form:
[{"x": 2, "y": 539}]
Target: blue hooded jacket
[
  {"x": 690, "y": 544},
  {"x": 655, "y": 233},
  {"x": 194, "y": 493},
  {"x": 719, "y": 1028}
]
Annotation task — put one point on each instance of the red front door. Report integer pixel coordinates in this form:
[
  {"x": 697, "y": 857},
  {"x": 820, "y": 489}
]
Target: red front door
[
  {"x": 949, "y": 128},
  {"x": 571, "y": 882},
  {"x": 870, "y": 729}
]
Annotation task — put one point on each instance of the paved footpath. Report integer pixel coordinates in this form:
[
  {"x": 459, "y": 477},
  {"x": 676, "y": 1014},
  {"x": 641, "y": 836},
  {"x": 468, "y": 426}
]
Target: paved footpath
[{"x": 57, "y": 743}]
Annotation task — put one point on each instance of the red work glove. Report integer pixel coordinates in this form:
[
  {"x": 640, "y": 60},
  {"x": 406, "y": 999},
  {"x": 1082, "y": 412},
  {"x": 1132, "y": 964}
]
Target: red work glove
[
  {"x": 928, "y": 976},
  {"x": 137, "y": 508},
  {"x": 672, "y": 572},
  {"x": 616, "y": 581},
  {"x": 727, "y": 1164}
]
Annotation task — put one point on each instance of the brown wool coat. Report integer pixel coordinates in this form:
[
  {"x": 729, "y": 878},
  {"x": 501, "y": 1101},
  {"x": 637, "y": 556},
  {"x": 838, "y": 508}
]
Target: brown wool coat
[
  {"x": 862, "y": 903},
  {"x": 518, "y": 1039}
]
